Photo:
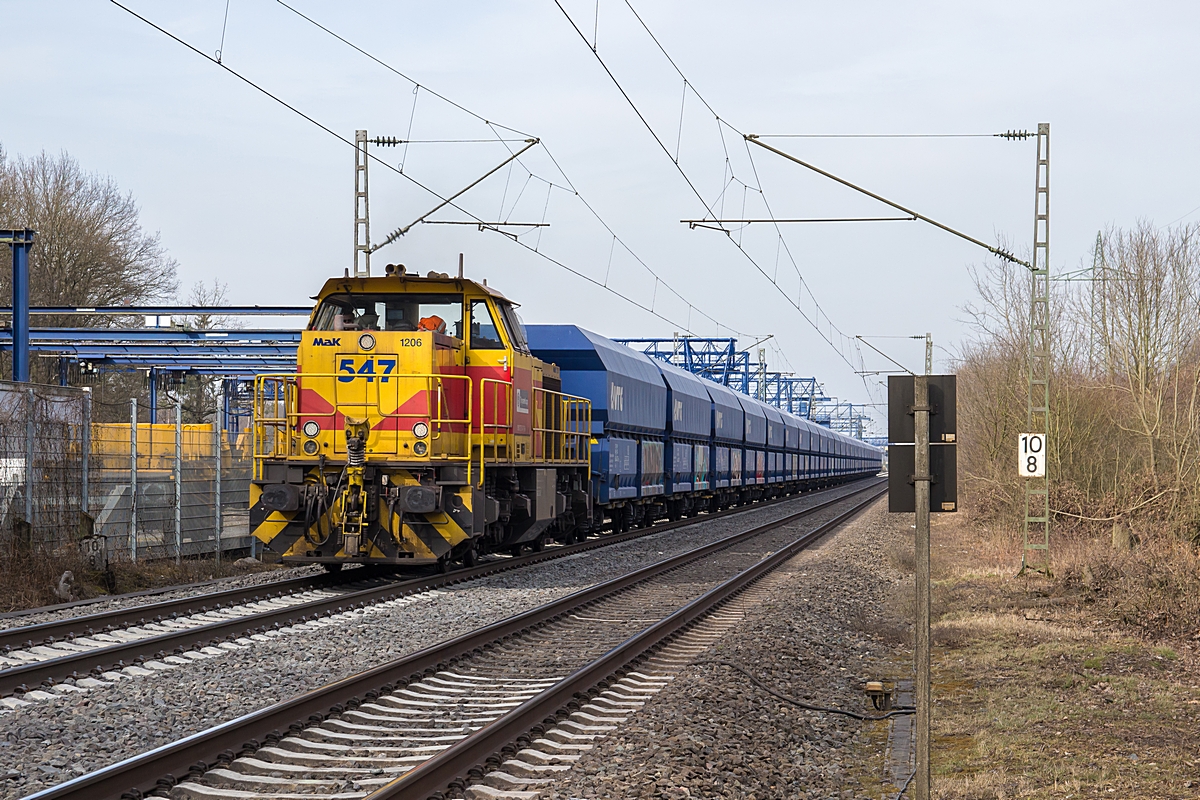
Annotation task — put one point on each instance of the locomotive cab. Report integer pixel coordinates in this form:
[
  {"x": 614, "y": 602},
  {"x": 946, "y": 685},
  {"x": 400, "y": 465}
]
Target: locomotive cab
[{"x": 417, "y": 429}]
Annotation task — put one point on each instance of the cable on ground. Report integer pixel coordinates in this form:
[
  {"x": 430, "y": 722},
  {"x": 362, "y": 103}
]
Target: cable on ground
[{"x": 897, "y": 712}]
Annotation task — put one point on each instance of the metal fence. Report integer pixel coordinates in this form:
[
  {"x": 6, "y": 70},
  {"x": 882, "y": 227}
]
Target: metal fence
[
  {"x": 146, "y": 491},
  {"x": 43, "y": 466}
]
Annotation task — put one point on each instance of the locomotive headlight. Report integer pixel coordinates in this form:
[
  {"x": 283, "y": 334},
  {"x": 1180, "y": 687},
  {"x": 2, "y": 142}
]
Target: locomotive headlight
[
  {"x": 420, "y": 430},
  {"x": 420, "y": 448},
  {"x": 311, "y": 428},
  {"x": 310, "y": 448},
  {"x": 366, "y": 341}
]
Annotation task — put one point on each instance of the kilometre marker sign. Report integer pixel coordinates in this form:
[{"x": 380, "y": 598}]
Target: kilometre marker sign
[{"x": 1031, "y": 455}]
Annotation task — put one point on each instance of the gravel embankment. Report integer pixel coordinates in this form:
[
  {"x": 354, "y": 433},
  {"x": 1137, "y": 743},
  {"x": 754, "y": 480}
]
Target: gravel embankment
[
  {"x": 711, "y": 733},
  {"x": 53, "y": 740}
]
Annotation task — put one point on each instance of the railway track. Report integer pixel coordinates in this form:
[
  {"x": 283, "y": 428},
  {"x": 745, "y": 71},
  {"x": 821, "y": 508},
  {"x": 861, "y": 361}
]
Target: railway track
[
  {"x": 501, "y": 708},
  {"x": 35, "y": 658}
]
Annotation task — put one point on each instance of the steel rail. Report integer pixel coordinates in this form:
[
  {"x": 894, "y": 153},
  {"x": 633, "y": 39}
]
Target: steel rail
[
  {"x": 57, "y": 630},
  {"x": 91, "y": 601},
  {"x": 32, "y": 675},
  {"x": 445, "y": 770},
  {"x": 163, "y": 767}
]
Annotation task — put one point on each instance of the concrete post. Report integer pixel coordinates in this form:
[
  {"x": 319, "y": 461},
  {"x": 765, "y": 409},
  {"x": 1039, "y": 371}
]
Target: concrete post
[{"x": 921, "y": 480}]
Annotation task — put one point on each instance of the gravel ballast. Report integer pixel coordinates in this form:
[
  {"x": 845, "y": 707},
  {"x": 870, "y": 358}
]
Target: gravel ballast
[
  {"x": 53, "y": 740},
  {"x": 711, "y": 733}
]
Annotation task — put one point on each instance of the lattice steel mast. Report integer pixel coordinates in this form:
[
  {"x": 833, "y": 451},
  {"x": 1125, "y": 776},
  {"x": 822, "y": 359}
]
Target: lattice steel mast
[
  {"x": 362, "y": 213},
  {"x": 1099, "y": 287},
  {"x": 1036, "y": 526}
]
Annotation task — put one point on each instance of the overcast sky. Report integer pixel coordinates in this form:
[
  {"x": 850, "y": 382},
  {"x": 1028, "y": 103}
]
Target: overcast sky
[{"x": 246, "y": 192}]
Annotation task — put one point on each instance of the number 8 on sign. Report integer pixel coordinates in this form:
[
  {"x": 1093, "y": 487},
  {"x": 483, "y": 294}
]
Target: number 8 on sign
[{"x": 1031, "y": 455}]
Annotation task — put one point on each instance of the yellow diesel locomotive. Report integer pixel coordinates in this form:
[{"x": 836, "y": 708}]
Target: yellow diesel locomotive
[{"x": 417, "y": 429}]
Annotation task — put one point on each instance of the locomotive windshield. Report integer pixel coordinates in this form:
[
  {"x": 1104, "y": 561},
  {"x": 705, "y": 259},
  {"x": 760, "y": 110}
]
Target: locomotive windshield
[{"x": 390, "y": 312}]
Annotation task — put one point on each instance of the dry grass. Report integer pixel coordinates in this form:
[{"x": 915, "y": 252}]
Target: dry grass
[
  {"x": 1057, "y": 689},
  {"x": 1155, "y": 587},
  {"x": 28, "y": 580}
]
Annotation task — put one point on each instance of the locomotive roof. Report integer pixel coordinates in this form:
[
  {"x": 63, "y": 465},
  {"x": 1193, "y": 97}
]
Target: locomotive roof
[{"x": 405, "y": 283}]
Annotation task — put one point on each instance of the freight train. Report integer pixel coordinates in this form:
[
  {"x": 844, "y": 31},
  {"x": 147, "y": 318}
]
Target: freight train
[{"x": 426, "y": 425}]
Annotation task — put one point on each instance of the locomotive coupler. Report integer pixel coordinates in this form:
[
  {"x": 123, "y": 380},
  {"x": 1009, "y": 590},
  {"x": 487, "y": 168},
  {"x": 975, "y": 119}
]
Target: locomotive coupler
[{"x": 354, "y": 505}]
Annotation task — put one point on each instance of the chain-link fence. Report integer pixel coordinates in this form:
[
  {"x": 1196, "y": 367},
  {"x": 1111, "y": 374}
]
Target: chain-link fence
[
  {"x": 43, "y": 464},
  {"x": 162, "y": 490},
  {"x": 147, "y": 491}
]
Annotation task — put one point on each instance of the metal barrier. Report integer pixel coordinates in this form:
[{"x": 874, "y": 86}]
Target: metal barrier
[
  {"x": 564, "y": 425},
  {"x": 277, "y": 413},
  {"x": 43, "y": 466},
  {"x": 125, "y": 491},
  {"x": 170, "y": 490},
  {"x": 561, "y": 428}
]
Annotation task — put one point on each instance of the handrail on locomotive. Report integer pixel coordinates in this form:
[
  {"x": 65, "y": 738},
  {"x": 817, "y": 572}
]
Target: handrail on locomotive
[{"x": 562, "y": 423}]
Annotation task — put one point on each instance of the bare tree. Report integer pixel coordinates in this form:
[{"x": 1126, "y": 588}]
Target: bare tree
[
  {"x": 90, "y": 250},
  {"x": 200, "y": 394},
  {"x": 1125, "y": 386},
  {"x": 90, "y": 247}
]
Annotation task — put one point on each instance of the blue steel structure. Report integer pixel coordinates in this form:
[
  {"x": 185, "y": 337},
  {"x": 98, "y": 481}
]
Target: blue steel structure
[
  {"x": 235, "y": 356},
  {"x": 20, "y": 241},
  {"x": 719, "y": 360}
]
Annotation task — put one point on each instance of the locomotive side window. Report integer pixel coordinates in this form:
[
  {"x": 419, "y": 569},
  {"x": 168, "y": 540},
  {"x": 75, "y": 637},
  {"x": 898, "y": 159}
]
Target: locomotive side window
[
  {"x": 391, "y": 312},
  {"x": 484, "y": 335},
  {"x": 514, "y": 326}
]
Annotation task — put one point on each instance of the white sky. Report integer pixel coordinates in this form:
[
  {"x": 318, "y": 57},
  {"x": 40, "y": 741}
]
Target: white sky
[{"x": 247, "y": 192}]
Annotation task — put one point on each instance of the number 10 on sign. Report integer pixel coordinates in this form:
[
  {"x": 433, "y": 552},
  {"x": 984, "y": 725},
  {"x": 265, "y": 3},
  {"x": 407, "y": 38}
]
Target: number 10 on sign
[{"x": 1031, "y": 455}]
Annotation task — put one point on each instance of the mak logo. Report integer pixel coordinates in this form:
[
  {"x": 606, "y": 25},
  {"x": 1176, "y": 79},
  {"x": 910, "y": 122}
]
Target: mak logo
[
  {"x": 322, "y": 342},
  {"x": 616, "y": 398}
]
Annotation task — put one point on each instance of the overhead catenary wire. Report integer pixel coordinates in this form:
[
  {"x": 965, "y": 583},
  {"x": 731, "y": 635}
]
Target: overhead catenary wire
[
  {"x": 885, "y": 355},
  {"x": 399, "y": 171},
  {"x": 1011, "y": 135},
  {"x": 396, "y": 234},
  {"x": 795, "y": 303},
  {"x": 277, "y": 99},
  {"x": 395, "y": 71},
  {"x": 996, "y": 251},
  {"x": 879, "y": 135},
  {"x": 569, "y": 187}
]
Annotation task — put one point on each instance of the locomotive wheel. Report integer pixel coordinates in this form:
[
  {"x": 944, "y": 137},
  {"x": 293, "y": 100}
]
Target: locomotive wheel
[
  {"x": 538, "y": 545},
  {"x": 336, "y": 567},
  {"x": 470, "y": 558},
  {"x": 443, "y": 566}
]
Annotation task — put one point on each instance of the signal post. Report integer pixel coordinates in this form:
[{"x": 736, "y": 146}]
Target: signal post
[{"x": 922, "y": 478}]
